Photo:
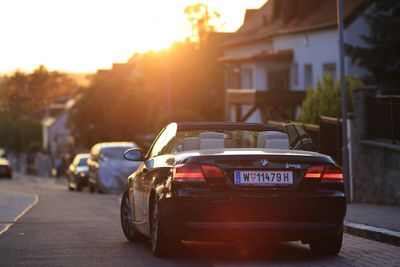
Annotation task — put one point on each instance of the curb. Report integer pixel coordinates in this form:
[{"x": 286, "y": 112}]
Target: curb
[{"x": 372, "y": 232}]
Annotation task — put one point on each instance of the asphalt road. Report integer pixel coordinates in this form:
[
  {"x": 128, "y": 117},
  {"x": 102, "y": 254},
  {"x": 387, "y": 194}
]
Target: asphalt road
[{"x": 81, "y": 229}]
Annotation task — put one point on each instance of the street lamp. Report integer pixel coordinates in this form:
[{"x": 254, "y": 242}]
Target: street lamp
[{"x": 345, "y": 150}]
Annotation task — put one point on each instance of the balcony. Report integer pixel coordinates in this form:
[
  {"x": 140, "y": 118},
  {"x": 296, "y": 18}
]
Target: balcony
[{"x": 238, "y": 97}]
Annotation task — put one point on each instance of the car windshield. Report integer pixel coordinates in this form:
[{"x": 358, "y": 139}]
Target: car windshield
[
  {"x": 83, "y": 161},
  {"x": 208, "y": 139},
  {"x": 114, "y": 152},
  {"x": 230, "y": 138}
]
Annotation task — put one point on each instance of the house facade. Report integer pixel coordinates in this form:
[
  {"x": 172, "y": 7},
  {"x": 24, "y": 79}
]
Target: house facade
[
  {"x": 56, "y": 136},
  {"x": 283, "y": 49}
]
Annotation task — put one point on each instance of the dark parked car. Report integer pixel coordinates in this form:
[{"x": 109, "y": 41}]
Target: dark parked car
[
  {"x": 108, "y": 171},
  {"x": 233, "y": 182},
  {"x": 5, "y": 168},
  {"x": 78, "y": 172}
]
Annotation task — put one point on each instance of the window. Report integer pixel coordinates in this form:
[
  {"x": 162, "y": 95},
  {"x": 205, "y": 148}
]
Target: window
[
  {"x": 234, "y": 81},
  {"x": 278, "y": 79},
  {"x": 329, "y": 69},
  {"x": 113, "y": 152},
  {"x": 248, "y": 138},
  {"x": 308, "y": 76},
  {"x": 164, "y": 142},
  {"x": 247, "y": 78},
  {"x": 295, "y": 73}
]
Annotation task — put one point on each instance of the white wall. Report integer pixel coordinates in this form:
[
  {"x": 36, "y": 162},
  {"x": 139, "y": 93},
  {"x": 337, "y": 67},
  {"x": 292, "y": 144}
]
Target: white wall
[
  {"x": 59, "y": 129},
  {"x": 315, "y": 48}
]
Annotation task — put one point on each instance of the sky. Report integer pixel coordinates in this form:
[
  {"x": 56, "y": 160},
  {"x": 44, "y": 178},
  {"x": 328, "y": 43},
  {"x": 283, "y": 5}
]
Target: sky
[{"x": 85, "y": 35}]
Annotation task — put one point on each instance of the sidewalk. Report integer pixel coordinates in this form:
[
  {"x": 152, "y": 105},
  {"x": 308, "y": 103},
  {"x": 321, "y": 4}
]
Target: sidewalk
[{"x": 381, "y": 223}]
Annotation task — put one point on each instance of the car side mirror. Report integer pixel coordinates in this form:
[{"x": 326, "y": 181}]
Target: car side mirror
[{"x": 133, "y": 154}]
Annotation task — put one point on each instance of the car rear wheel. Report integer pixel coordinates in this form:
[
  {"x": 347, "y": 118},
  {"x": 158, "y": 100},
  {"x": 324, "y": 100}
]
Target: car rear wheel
[
  {"x": 78, "y": 186},
  {"x": 160, "y": 244},
  {"x": 126, "y": 219},
  {"x": 329, "y": 246},
  {"x": 92, "y": 187}
]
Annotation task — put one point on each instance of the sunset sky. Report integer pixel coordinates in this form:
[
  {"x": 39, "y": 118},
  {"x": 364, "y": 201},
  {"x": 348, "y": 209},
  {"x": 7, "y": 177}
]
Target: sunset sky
[{"x": 84, "y": 35}]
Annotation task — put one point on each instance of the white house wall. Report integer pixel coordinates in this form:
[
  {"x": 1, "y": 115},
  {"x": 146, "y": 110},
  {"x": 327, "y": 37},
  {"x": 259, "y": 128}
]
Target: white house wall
[
  {"x": 315, "y": 48},
  {"x": 60, "y": 130}
]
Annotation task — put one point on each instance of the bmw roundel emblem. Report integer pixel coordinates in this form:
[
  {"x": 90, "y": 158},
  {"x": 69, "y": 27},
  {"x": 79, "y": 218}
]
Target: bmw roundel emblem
[{"x": 264, "y": 162}]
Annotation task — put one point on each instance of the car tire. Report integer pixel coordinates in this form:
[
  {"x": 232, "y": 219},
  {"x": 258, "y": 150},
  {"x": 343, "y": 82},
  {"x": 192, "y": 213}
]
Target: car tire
[
  {"x": 70, "y": 188},
  {"x": 161, "y": 245},
  {"x": 78, "y": 186},
  {"x": 92, "y": 188},
  {"x": 329, "y": 246},
  {"x": 126, "y": 220}
]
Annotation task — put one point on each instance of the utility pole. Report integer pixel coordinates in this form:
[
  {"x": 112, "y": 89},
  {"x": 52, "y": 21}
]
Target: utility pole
[
  {"x": 345, "y": 150},
  {"x": 168, "y": 85}
]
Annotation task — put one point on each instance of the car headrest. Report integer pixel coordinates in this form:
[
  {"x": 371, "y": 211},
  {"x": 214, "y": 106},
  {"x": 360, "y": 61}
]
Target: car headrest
[
  {"x": 191, "y": 143},
  {"x": 276, "y": 143},
  {"x": 273, "y": 139},
  {"x": 211, "y": 135},
  {"x": 211, "y": 143}
]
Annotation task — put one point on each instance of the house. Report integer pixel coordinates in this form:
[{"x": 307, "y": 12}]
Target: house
[
  {"x": 281, "y": 50},
  {"x": 55, "y": 134}
]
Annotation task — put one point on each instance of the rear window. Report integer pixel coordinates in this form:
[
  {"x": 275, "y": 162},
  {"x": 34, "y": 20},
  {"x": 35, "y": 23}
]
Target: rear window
[
  {"x": 114, "y": 151},
  {"x": 82, "y": 162}
]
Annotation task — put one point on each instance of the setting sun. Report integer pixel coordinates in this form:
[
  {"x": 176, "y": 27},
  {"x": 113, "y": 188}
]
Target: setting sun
[{"x": 85, "y": 35}]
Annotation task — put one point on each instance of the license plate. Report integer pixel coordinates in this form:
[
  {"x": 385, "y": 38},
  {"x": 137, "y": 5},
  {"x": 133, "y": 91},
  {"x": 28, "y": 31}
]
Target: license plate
[{"x": 263, "y": 178}]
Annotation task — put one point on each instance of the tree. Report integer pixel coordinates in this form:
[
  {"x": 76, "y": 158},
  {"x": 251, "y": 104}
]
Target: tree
[
  {"x": 30, "y": 94},
  {"x": 23, "y": 99},
  {"x": 203, "y": 20},
  {"x": 113, "y": 107},
  {"x": 325, "y": 99},
  {"x": 381, "y": 56}
]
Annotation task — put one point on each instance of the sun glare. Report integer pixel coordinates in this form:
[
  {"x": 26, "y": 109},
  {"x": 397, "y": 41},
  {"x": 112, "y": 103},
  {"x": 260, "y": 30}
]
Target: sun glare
[{"x": 75, "y": 35}]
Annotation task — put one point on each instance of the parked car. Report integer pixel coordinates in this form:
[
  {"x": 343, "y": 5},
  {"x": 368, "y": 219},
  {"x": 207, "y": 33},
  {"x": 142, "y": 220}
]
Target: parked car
[
  {"x": 5, "y": 168},
  {"x": 108, "y": 172},
  {"x": 78, "y": 172},
  {"x": 233, "y": 181}
]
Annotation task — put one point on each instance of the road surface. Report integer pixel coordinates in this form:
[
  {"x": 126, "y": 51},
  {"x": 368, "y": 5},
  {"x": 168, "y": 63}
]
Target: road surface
[{"x": 81, "y": 229}]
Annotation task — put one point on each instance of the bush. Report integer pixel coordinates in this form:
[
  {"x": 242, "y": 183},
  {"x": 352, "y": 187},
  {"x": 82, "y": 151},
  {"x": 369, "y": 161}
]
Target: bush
[
  {"x": 325, "y": 99},
  {"x": 18, "y": 134}
]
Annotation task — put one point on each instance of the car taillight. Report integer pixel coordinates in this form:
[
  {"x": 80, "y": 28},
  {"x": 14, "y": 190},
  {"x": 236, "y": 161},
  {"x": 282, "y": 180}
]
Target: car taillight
[
  {"x": 211, "y": 171},
  {"x": 195, "y": 173},
  {"x": 329, "y": 173},
  {"x": 314, "y": 172}
]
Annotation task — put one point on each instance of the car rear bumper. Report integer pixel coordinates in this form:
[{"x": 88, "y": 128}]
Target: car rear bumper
[{"x": 267, "y": 217}]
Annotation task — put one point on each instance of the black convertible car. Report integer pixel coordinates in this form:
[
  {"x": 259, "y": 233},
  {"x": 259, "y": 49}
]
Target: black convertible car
[{"x": 234, "y": 182}]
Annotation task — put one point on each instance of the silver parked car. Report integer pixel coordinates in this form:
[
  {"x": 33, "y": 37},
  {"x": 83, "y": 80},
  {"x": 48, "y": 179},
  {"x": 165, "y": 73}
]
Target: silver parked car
[{"x": 108, "y": 172}]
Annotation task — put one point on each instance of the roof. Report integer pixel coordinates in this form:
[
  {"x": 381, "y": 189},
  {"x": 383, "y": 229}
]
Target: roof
[
  {"x": 115, "y": 144},
  {"x": 266, "y": 55},
  {"x": 82, "y": 155},
  {"x": 278, "y": 17},
  {"x": 48, "y": 121}
]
